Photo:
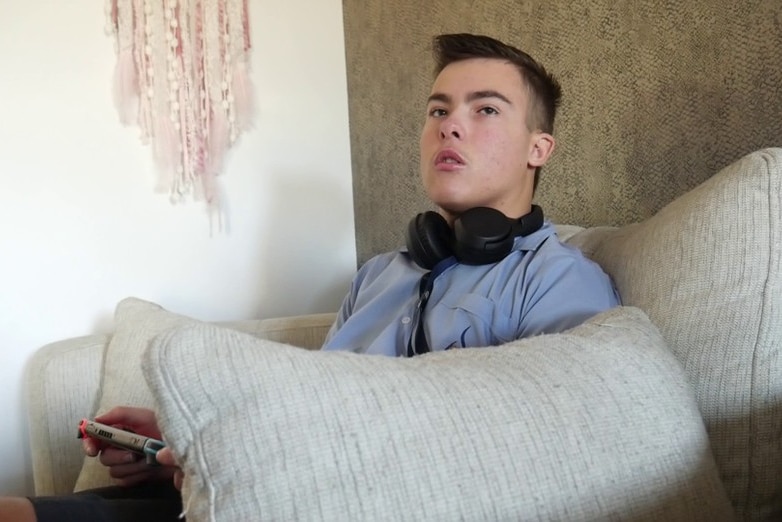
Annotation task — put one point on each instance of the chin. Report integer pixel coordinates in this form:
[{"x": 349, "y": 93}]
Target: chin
[
  {"x": 450, "y": 201},
  {"x": 453, "y": 208}
]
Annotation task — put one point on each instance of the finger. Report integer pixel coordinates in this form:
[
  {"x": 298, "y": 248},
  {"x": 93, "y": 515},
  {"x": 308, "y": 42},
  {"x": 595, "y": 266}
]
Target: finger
[
  {"x": 122, "y": 471},
  {"x": 165, "y": 457},
  {"x": 114, "y": 456},
  {"x": 134, "y": 479},
  {"x": 179, "y": 476},
  {"x": 131, "y": 474},
  {"x": 90, "y": 446}
]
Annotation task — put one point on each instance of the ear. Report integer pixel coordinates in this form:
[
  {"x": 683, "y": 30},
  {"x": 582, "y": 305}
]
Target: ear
[{"x": 542, "y": 147}]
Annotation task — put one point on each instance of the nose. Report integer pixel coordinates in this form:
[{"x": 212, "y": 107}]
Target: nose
[{"x": 450, "y": 128}]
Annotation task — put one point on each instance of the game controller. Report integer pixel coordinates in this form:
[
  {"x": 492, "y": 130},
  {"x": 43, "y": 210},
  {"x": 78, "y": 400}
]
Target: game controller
[{"x": 146, "y": 446}]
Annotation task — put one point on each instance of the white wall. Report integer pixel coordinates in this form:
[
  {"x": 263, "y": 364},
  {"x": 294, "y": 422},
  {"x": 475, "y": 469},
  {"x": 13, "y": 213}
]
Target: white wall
[{"x": 80, "y": 226}]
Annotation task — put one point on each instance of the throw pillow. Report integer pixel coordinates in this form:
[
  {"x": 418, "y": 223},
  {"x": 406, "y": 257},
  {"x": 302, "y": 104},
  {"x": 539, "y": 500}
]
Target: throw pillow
[
  {"x": 706, "y": 269},
  {"x": 122, "y": 383},
  {"x": 597, "y": 423},
  {"x": 136, "y": 323}
]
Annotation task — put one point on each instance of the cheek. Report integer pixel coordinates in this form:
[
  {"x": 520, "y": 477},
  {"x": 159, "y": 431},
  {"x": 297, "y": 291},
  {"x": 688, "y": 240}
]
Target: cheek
[
  {"x": 429, "y": 131},
  {"x": 422, "y": 143},
  {"x": 501, "y": 152}
]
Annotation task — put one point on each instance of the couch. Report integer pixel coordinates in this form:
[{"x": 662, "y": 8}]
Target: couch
[{"x": 666, "y": 408}]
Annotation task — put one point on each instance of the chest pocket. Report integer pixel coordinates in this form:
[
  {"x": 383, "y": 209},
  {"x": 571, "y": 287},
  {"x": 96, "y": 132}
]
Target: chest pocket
[{"x": 468, "y": 320}]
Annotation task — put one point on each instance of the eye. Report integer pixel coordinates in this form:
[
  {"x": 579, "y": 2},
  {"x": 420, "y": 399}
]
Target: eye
[
  {"x": 437, "y": 113},
  {"x": 488, "y": 111}
]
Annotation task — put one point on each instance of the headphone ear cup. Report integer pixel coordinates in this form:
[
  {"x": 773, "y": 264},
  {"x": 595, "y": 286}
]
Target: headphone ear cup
[{"x": 429, "y": 239}]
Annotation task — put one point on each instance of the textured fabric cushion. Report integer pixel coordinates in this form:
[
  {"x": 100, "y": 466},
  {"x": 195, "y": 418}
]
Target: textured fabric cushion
[
  {"x": 136, "y": 323},
  {"x": 594, "y": 424},
  {"x": 62, "y": 381},
  {"x": 706, "y": 269}
]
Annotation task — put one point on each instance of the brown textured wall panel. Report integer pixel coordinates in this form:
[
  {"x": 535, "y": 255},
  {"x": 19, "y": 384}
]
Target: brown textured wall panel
[{"x": 658, "y": 95}]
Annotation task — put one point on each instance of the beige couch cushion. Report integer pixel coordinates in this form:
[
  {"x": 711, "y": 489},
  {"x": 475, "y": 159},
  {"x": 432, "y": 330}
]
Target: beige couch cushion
[
  {"x": 706, "y": 269},
  {"x": 595, "y": 424},
  {"x": 136, "y": 323}
]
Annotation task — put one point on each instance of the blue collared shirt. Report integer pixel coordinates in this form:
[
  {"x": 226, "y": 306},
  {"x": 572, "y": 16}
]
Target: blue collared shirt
[{"x": 542, "y": 286}]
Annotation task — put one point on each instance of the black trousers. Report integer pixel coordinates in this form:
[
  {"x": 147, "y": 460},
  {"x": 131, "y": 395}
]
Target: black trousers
[{"x": 150, "y": 502}]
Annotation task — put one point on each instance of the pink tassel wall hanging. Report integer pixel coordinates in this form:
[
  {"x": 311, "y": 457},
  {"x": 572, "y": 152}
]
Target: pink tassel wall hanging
[{"x": 182, "y": 75}]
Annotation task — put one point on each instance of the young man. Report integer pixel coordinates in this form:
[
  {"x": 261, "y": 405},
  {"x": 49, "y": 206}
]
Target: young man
[
  {"x": 471, "y": 277},
  {"x": 486, "y": 269}
]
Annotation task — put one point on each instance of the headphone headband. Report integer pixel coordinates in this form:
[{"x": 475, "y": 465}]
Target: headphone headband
[{"x": 528, "y": 223}]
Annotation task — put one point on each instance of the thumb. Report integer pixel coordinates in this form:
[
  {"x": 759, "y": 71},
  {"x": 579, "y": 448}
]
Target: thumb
[
  {"x": 91, "y": 447},
  {"x": 165, "y": 457}
]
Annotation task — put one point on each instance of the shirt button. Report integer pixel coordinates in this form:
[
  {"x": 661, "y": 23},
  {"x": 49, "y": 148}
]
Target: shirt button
[{"x": 405, "y": 320}]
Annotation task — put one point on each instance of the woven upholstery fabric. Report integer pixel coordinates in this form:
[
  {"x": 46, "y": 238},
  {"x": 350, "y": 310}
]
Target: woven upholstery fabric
[
  {"x": 706, "y": 269},
  {"x": 137, "y": 322},
  {"x": 658, "y": 96},
  {"x": 61, "y": 382},
  {"x": 595, "y": 424},
  {"x": 122, "y": 382}
]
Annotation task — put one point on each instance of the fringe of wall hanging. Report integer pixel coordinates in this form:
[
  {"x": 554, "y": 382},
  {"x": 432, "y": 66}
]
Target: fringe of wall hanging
[{"x": 182, "y": 75}]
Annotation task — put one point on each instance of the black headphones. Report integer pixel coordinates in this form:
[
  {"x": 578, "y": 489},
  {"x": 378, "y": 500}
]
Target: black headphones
[{"x": 479, "y": 236}]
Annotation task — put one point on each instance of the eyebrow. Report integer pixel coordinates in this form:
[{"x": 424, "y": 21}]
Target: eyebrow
[{"x": 475, "y": 95}]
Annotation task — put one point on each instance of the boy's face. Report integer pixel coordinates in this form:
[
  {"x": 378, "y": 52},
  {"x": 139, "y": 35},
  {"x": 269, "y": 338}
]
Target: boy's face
[{"x": 476, "y": 149}]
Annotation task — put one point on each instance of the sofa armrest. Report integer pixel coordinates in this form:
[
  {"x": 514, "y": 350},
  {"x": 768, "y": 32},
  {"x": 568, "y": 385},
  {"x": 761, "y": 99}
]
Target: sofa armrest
[{"x": 62, "y": 384}]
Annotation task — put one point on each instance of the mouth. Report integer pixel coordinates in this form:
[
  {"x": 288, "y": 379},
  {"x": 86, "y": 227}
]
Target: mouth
[{"x": 448, "y": 158}]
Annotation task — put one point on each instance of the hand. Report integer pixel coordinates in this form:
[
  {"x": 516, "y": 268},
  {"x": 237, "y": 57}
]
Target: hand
[
  {"x": 166, "y": 458},
  {"x": 125, "y": 467}
]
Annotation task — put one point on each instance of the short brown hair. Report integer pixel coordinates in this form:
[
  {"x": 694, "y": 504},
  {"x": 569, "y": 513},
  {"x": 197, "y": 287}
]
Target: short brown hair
[{"x": 545, "y": 91}]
